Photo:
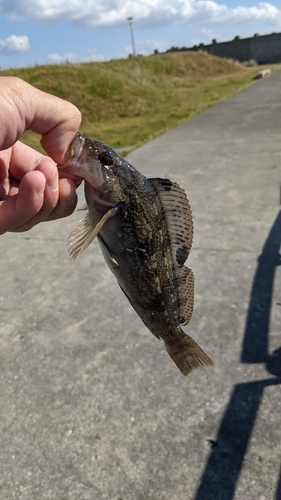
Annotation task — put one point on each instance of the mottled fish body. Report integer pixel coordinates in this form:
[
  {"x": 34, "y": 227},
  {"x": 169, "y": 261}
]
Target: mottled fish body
[{"x": 144, "y": 227}]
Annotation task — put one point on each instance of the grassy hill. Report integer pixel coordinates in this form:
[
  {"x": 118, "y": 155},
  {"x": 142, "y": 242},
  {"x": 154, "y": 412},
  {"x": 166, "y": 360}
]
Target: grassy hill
[{"x": 127, "y": 102}]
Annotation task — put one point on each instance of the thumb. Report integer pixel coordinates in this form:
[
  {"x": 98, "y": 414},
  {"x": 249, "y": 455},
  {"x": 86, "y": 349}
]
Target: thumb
[{"x": 23, "y": 107}]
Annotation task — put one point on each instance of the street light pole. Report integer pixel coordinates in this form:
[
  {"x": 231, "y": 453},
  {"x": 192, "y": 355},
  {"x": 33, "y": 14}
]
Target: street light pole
[{"x": 130, "y": 19}]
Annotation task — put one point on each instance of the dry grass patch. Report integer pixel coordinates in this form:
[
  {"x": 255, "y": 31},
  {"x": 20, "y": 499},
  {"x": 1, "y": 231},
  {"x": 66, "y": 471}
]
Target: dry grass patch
[{"x": 127, "y": 102}]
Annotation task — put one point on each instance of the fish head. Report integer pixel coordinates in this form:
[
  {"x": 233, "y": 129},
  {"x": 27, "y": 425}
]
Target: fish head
[{"x": 106, "y": 173}]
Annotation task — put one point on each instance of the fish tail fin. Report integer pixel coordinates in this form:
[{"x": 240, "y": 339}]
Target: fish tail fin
[{"x": 187, "y": 354}]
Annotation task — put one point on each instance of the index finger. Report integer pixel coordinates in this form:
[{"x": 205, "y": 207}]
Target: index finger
[{"x": 23, "y": 107}]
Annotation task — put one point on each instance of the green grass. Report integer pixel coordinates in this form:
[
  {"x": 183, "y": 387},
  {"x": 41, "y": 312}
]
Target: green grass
[{"x": 127, "y": 102}]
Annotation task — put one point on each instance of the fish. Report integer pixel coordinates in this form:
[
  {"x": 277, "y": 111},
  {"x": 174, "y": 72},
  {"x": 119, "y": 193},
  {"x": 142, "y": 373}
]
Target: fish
[{"x": 145, "y": 230}]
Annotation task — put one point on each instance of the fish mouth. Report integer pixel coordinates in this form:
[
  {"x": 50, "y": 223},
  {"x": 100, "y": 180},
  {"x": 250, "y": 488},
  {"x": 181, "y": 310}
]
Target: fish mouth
[{"x": 77, "y": 148}]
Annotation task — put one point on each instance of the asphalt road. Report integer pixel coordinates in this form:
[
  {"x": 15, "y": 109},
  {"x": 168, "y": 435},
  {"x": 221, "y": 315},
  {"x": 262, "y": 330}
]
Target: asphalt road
[{"x": 91, "y": 406}]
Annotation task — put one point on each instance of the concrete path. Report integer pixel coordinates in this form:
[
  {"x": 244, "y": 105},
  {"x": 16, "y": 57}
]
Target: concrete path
[{"x": 91, "y": 406}]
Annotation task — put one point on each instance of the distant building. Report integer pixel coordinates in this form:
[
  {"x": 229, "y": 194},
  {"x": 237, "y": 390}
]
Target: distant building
[{"x": 264, "y": 49}]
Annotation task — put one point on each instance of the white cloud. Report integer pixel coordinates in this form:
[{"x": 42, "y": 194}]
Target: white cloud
[
  {"x": 145, "y": 47},
  {"x": 58, "y": 59},
  {"x": 210, "y": 12},
  {"x": 94, "y": 57},
  {"x": 146, "y": 13},
  {"x": 14, "y": 44},
  {"x": 74, "y": 58}
]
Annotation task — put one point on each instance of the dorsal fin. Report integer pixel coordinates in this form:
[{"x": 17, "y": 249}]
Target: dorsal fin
[
  {"x": 178, "y": 217},
  {"x": 180, "y": 228}
]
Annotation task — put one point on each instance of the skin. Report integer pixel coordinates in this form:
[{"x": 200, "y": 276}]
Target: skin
[{"x": 32, "y": 190}]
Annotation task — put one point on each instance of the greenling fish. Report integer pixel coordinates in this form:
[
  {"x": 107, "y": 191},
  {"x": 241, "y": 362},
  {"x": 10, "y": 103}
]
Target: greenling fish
[{"x": 144, "y": 227}]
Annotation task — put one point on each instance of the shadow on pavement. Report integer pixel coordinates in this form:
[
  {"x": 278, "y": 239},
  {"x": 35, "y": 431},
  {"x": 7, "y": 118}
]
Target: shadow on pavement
[
  {"x": 255, "y": 344},
  {"x": 223, "y": 468},
  {"x": 278, "y": 491}
]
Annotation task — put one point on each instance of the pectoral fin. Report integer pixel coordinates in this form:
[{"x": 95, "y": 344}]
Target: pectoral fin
[{"x": 85, "y": 232}]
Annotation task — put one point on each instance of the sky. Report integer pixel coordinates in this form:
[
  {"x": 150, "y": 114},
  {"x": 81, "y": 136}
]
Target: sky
[{"x": 56, "y": 31}]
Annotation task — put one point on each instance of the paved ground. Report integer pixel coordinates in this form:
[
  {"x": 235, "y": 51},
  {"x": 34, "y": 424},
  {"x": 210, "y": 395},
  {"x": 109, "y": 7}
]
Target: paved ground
[{"x": 91, "y": 406}]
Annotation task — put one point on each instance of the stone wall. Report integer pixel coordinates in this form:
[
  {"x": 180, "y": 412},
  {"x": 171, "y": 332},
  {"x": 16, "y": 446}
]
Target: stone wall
[{"x": 263, "y": 49}]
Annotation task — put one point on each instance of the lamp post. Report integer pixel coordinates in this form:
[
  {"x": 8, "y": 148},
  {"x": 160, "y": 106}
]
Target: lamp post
[{"x": 130, "y": 19}]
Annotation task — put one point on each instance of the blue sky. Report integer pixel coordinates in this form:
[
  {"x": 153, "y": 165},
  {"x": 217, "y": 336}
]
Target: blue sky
[{"x": 53, "y": 31}]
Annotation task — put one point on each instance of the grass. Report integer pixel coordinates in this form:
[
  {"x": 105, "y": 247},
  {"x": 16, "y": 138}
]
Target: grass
[{"x": 127, "y": 102}]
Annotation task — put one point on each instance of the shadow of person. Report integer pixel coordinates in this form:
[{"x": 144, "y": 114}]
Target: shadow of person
[
  {"x": 273, "y": 365},
  {"x": 255, "y": 340},
  {"x": 225, "y": 462}
]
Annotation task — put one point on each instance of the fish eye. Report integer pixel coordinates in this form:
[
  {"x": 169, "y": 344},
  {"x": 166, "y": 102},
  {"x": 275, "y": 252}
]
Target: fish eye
[{"x": 105, "y": 158}]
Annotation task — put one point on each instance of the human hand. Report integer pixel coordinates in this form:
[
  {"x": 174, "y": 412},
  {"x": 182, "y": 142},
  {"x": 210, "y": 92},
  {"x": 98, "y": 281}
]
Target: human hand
[{"x": 31, "y": 189}]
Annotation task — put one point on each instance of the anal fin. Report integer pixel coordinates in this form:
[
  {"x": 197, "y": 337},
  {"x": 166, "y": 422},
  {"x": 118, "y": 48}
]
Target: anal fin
[{"x": 185, "y": 279}]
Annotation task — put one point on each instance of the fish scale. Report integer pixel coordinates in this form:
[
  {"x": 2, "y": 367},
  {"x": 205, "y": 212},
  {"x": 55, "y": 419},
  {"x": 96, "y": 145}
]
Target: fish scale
[
  {"x": 144, "y": 227},
  {"x": 159, "y": 260}
]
